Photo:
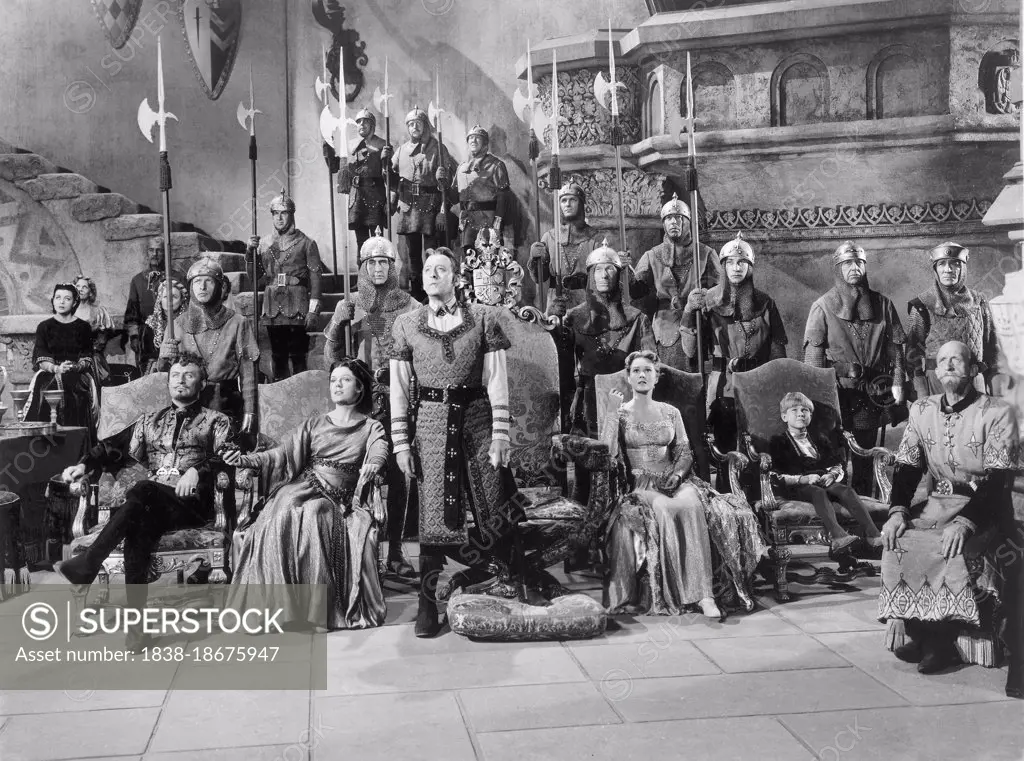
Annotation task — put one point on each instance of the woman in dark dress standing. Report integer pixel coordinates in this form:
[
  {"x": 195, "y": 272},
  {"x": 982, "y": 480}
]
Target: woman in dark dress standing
[{"x": 62, "y": 358}]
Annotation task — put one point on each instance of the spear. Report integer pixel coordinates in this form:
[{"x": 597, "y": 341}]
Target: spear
[
  {"x": 601, "y": 88},
  {"x": 380, "y": 100},
  {"x": 333, "y": 129},
  {"x": 555, "y": 177},
  {"x": 323, "y": 91},
  {"x": 435, "y": 113},
  {"x": 525, "y": 108},
  {"x": 247, "y": 119},
  {"x": 690, "y": 180},
  {"x": 147, "y": 117}
]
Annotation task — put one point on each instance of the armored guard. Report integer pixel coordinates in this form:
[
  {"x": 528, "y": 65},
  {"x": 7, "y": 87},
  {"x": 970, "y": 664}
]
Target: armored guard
[
  {"x": 363, "y": 180},
  {"x": 484, "y": 195}
]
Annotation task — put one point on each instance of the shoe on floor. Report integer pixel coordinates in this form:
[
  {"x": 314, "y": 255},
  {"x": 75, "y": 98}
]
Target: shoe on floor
[
  {"x": 843, "y": 543},
  {"x": 937, "y": 657},
  {"x": 709, "y": 608},
  {"x": 427, "y": 620},
  {"x": 909, "y": 652},
  {"x": 401, "y": 567}
]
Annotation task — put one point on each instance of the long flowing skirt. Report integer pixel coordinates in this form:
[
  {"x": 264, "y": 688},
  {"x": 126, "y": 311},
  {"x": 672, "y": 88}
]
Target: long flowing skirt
[
  {"x": 79, "y": 407},
  {"x": 302, "y": 538}
]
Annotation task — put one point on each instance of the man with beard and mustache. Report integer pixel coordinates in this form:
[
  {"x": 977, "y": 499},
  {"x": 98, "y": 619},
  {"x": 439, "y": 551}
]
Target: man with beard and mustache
[
  {"x": 141, "y": 301},
  {"x": 747, "y": 331},
  {"x": 946, "y": 562},
  {"x": 666, "y": 275},
  {"x": 576, "y": 240},
  {"x": 949, "y": 311},
  {"x": 379, "y": 301},
  {"x": 857, "y": 331},
  {"x": 290, "y": 274},
  {"x": 604, "y": 332},
  {"x": 483, "y": 187},
  {"x": 424, "y": 168},
  {"x": 222, "y": 338},
  {"x": 177, "y": 444},
  {"x": 363, "y": 180}
]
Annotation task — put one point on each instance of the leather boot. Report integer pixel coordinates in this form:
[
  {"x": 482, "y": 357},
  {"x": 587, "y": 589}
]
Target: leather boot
[
  {"x": 938, "y": 651},
  {"x": 280, "y": 366},
  {"x": 83, "y": 568},
  {"x": 427, "y": 623}
]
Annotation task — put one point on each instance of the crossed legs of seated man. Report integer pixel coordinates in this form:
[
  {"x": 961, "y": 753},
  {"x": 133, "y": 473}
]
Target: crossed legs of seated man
[{"x": 150, "y": 510}]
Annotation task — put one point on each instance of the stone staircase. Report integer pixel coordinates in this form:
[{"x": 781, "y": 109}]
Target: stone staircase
[{"x": 94, "y": 218}]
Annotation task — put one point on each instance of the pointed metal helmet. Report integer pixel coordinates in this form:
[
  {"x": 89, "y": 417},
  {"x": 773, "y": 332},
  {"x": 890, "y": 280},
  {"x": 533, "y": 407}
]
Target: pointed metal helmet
[
  {"x": 365, "y": 113},
  {"x": 847, "y": 252},
  {"x": 282, "y": 201},
  {"x": 574, "y": 189},
  {"x": 207, "y": 265},
  {"x": 377, "y": 247},
  {"x": 417, "y": 113},
  {"x": 604, "y": 254},
  {"x": 949, "y": 250},
  {"x": 478, "y": 131},
  {"x": 738, "y": 246},
  {"x": 675, "y": 206}
]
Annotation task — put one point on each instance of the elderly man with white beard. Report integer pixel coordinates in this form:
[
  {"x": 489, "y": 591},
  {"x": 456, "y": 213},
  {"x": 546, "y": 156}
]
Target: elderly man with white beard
[{"x": 943, "y": 570}]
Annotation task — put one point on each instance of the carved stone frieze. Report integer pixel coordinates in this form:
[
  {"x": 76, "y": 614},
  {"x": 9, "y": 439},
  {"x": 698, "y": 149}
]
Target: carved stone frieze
[
  {"x": 642, "y": 192},
  {"x": 582, "y": 121}
]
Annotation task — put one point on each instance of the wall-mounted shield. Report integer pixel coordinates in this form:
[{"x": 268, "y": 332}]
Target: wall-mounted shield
[
  {"x": 211, "y": 29},
  {"x": 117, "y": 17}
]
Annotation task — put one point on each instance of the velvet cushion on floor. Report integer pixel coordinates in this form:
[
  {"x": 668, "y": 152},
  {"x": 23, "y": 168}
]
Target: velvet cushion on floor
[{"x": 574, "y": 616}]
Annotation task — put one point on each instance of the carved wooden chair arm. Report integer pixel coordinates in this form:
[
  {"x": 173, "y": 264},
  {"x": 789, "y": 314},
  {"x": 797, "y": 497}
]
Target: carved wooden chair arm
[
  {"x": 716, "y": 454},
  {"x": 737, "y": 462},
  {"x": 220, "y": 486},
  {"x": 584, "y": 452},
  {"x": 882, "y": 458},
  {"x": 769, "y": 502}
]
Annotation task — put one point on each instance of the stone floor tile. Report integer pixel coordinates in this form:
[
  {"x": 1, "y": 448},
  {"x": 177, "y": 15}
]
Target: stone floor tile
[
  {"x": 258, "y": 753},
  {"x": 783, "y": 653},
  {"x": 739, "y": 739},
  {"x": 621, "y": 630},
  {"x": 610, "y": 665},
  {"x": 197, "y": 719},
  {"x": 492, "y": 709},
  {"x": 76, "y": 699},
  {"x": 760, "y": 623},
  {"x": 85, "y": 734},
  {"x": 401, "y": 641},
  {"x": 832, "y": 611},
  {"x": 401, "y": 610},
  {"x": 452, "y": 671},
  {"x": 974, "y": 732},
  {"x": 408, "y": 727},
  {"x": 968, "y": 684},
  {"x": 775, "y": 692}
]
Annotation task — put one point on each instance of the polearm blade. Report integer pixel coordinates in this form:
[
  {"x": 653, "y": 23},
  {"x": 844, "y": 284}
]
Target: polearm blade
[
  {"x": 525, "y": 108},
  {"x": 381, "y": 101},
  {"x": 147, "y": 117},
  {"x": 434, "y": 113},
  {"x": 690, "y": 178},
  {"x": 247, "y": 120}
]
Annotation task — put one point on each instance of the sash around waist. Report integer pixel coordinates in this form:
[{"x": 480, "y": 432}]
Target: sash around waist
[{"x": 640, "y": 456}]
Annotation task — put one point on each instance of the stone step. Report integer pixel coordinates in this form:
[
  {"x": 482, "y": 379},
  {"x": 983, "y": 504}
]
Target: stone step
[
  {"x": 24, "y": 166},
  {"x": 92, "y": 207},
  {"x": 47, "y": 187},
  {"x": 131, "y": 226},
  {"x": 6, "y": 147}
]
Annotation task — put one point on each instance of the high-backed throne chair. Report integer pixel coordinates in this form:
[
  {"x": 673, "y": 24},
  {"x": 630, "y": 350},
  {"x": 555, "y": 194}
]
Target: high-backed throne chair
[
  {"x": 183, "y": 552},
  {"x": 794, "y": 532}
]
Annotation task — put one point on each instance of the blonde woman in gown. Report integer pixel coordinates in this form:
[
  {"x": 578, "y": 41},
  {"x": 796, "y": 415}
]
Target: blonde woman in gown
[
  {"x": 323, "y": 514},
  {"x": 671, "y": 519}
]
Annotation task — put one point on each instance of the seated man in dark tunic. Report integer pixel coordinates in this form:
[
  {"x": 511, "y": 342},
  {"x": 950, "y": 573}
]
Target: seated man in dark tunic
[
  {"x": 945, "y": 562},
  {"x": 178, "y": 444}
]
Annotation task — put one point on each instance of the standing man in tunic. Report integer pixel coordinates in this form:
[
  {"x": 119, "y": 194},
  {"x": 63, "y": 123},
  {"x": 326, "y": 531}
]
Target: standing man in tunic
[
  {"x": 669, "y": 283},
  {"x": 379, "y": 302},
  {"x": 223, "y": 339},
  {"x": 746, "y": 330},
  {"x": 857, "y": 331},
  {"x": 141, "y": 301},
  {"x": 424, "y": 168},
  {"x": 484, "y": 194},
  {"x": 455, "y": 355},
  {"x": 576, "y": 239},
  {"x": 363, "y": 180},
  {"x": 290, "y": 261},
  {"x": 949, "y": 311}
]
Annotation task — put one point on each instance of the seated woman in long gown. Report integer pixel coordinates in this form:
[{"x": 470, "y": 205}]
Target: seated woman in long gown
[
  {"x": 323, "y": 514},
  {"x": 671, "y": 518},
  {"x": 62, "y": 358},
  {"x": 100, "y": 323}
]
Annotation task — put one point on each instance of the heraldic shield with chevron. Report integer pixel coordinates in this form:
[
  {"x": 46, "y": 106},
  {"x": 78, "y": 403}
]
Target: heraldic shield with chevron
[
  {"x": 117, "y": 17},
  {"x": 211, "y": 29}
]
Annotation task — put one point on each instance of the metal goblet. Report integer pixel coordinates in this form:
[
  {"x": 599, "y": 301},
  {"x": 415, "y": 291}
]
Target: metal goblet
[{"x": 55, "y": 398}]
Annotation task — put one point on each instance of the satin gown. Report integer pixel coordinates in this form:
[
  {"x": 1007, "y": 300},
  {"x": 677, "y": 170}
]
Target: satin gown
[
  {"x": 706, "y": 546},
  {"x": 315, "y": 530}
]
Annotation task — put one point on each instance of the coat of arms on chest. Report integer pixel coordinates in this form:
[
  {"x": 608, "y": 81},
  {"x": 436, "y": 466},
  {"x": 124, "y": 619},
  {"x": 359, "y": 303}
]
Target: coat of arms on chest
[{"x": 490, "y": 273}]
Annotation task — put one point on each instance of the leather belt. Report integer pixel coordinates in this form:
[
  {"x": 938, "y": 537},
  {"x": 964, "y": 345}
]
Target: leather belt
[
  {"x": 452, "y": 394},
  {"x": 945, "y": 487},
  {"x": 288, "y": 280},
  {"x": 164, "y": 472},
  {"x": 479, "y": 205},
  {"x": 371, "y": 181},
  {"x": 417, "y": 189}
]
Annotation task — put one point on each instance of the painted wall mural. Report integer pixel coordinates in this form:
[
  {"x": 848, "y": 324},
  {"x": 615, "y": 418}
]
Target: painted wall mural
[{"x": 34, "y": 253}]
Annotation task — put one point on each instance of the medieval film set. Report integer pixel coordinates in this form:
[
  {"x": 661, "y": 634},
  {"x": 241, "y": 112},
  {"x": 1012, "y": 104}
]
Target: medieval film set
[{"x": 458, "y": 379}]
